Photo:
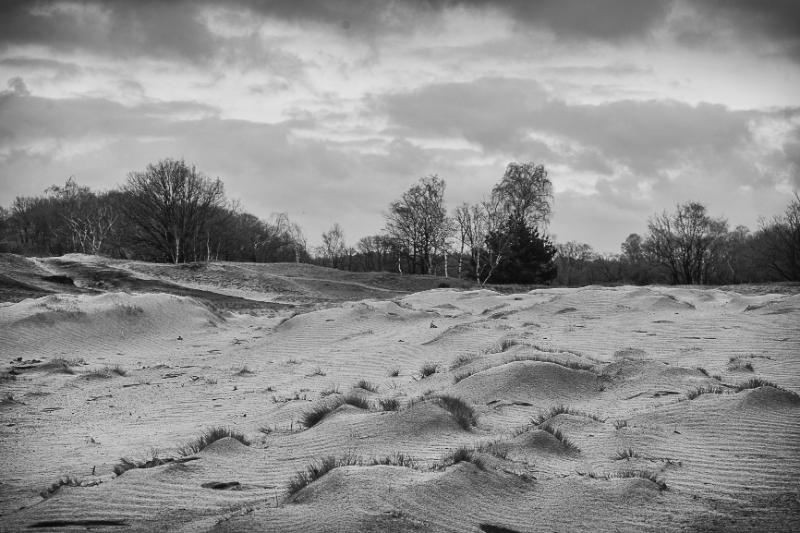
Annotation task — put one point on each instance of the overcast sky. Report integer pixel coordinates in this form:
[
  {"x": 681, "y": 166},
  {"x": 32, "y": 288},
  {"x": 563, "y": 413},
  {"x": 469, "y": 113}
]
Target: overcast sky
[{"x": 330, "y": 109}]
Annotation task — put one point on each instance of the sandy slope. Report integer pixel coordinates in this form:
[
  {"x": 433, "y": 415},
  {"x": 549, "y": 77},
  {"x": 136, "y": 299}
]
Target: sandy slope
[{"x": 627, "y": 356}]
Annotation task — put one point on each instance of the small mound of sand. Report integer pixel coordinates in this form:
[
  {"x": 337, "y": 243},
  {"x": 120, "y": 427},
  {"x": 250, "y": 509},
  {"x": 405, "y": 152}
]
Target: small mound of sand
[
  {"x": 769, "y": 398},
  {"x": 529, "y": 381}
]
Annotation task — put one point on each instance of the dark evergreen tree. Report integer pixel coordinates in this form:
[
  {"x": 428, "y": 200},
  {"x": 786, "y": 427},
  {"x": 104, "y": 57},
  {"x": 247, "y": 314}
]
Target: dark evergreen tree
[{"x": 529, "y": 256}]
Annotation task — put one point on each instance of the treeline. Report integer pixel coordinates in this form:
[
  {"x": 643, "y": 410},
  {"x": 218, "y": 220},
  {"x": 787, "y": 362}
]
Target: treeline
[{"x": 170, "y": 212}]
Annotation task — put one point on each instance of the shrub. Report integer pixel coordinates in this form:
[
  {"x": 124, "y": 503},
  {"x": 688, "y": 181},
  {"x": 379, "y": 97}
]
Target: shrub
[
  {"x": 210, "y": 436},
  {"x": 427, "y": 369},
  {"x": 461, "y": 411},
  {"x": 389, "y": 404},
  {"x": 565, "y": 442},
  {"x": 366, "y": 385}
]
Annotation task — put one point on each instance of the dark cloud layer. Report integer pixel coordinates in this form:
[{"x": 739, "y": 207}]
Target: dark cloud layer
[{"x": 173, "y": 29}]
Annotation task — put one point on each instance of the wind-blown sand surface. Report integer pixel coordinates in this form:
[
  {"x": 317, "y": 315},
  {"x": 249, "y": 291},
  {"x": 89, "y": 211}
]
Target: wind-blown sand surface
[{"x": 135, "y": 360}]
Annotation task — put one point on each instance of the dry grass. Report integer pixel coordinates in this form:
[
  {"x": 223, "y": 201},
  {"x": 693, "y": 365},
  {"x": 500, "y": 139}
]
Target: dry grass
[
  {"x": 461, "y": 360},
  {"x": 543, "y": 417},
  {"x": 389, "y": 404},
  {"x": 463, "y": 413},
  {"x": 427, "y": 369},
  {"x": 699, "y": 391},
  {"x": 210, "y": 436},
  {"x": 737, "y": 363},
  {"x": 461, "y": 455},
  {"x": 106, "y": 372},
  {"x": 568, "y": 445},
  {"x": 319, "y": 468},
  {"x": 366, "y": 385}
]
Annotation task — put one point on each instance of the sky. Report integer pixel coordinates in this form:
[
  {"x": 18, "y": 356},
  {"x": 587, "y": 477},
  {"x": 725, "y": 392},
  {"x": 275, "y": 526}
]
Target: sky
[{"x": 330, "y": 109}]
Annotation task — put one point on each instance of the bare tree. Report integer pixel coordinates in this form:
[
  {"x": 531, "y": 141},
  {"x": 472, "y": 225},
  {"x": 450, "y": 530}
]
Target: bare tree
[
  {"x": 333, "y": 247},
  {"x": 171, "y": 203},
  {"x": 418, "y": 223},
  {"x": 686, "y": 242},
  {"x": 525, "y": 193},
  {"x": 782, "y": 239}
]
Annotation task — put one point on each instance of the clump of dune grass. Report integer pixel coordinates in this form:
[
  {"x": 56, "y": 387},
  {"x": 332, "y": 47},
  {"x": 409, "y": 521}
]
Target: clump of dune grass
[
  {"x": 562, "y": 410},
  {"x": 568, "y": 445},
  {"x": 318, "y": 372},
  {"x": 366, "y": 385},
  {"x": 317, "y": 413},
  {"x": 699, "y": 391},
  {"x": 393, "y": 373},
  {"x": 63, "y": 481},
  {"x": 461, "y": 376},
  {"x": 626, "y": 454},
  {"x": 389, "y": 404},
  {"x": 461, "y": 360},
  {"x": 8, "y": 399},
  {"x": 737, "y": 363},
  {"x": 106, "y": 372},
  {"x": 461, "y": 455},
  {"x": 462, "y": 412},
  {"x": 62, "y": 365},
  {"x": 356, "y": 401},
  {"x": 572, "y": 365},
  {"x": 702, "y": 371},
  {"x": 329, "y": 391},
  {"x": 642, "y": 474},
  {"x": 396, "y": 459},
  {"x": 244, "y": 371},
  {"x": 619, "y": 424},
  {"x": 427, "y": 369},
  {"x": 495, "y": 448},
  {"x": 754, "y": 383},
  {"x": 319, "y": 468},
  {"x": 210, "y": 436}
]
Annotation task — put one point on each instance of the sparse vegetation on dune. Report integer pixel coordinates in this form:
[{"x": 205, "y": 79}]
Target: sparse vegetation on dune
[
  {"x": 315, "y": 415},
  {"x": 628, "y": 474},
  {"x": 462, "y": 412},
  {"x": 389, "y": 404},
  {"x": 210, "y": 436},
  {"x": 562, "y": 410},
  {"x": 356, "y": 401},
  {"x": 461, "y": 360},
  {"x": 393, "y": 373},
  {"x": 626, "y": 454},
  {"x": 244, "y": 370},
  {"x": 738, "y": 363},
  {"x": 427, "y": 369},
  {"x": 106, "y": 372},
  {"x": 699, "y": 391},
  {"x": 568, "y": 445},
  {"x": 755, "y": 383},
  {"x": 366, "y": 385},
  {"x": 461, "y": 455}
]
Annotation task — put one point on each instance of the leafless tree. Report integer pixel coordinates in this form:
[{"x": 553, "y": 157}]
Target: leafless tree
[
  {"x": 687, "y": 242},
  {"x": 171, "y": 204},
  {"x": 418, "y": 222}
]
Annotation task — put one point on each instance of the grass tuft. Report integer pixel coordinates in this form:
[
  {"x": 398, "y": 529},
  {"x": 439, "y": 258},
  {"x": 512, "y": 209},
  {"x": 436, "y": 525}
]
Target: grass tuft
[
  {"x": 244, "y": 371},
  {"x": 461, "y": 360},
  {"x": 389, "y": 404},
  {"x": 642, "y": 474},
  {"x": 626, "y": 454},
  {"x": 396, "y": 459},
  {"x": 317, "y": 413},
  {"x": 427, "y": 369},
  {"x": 319, "y": 468},
  {"x": 210, "y": 436},
  {"x": 393, "y": 373},
  {"x": 619, "y": 424},
  {"x": 461, "y": 455},
  {"x": 543, "y": 417},
  {"x": 565, "y": 442},
  {"x": 699, "y": 391},
  {"x": 463, "y": 413},
  {"x": 106, "y": 372},
  {"x": 737, "y": 363},
  {"x": 356, "y": 401},
  {"x": 366, "y": 385}
]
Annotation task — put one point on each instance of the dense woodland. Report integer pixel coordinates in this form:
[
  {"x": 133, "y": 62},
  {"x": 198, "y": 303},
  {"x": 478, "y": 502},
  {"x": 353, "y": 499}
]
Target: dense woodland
[{"x": 171, "y": 212}]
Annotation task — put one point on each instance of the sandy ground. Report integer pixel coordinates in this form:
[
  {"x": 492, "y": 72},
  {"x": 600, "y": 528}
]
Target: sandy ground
[{"x": 133, "y": 360}]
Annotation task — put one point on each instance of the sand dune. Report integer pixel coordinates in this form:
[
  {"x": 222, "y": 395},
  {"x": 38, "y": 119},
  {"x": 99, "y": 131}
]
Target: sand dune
[{"x": 595, "y": 409}]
